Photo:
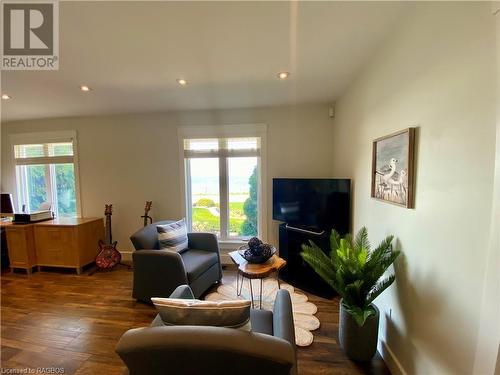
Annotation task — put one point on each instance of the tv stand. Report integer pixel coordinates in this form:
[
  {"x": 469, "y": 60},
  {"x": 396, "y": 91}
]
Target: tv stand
[{"x": 297, "y": 272}]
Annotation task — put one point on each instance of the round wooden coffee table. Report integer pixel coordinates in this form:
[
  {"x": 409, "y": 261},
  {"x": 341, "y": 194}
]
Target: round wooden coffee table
[{"x": 256, "y": 271}]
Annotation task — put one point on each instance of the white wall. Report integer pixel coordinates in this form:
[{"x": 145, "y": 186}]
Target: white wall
[
  {"x": 437, "y": 72},
  {"x": 126, "y": 160},
  {"x": 487, "y": 359}
]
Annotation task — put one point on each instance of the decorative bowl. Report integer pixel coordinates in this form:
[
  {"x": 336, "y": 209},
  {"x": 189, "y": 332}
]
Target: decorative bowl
[{"x": 250, "y": 257}]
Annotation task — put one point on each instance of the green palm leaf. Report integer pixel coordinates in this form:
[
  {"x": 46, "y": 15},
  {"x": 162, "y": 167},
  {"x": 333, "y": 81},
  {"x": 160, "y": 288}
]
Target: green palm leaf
[
  {"x": 379, "y": 288},
  {"x": 353, "y": 270},
  {"x": 361, "y": 240},
  {"x": 334, "y": 240}
]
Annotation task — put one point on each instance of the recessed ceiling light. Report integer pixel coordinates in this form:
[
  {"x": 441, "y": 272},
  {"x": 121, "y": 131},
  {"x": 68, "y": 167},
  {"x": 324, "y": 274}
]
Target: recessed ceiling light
[
  {"x": 182, "y": 82},
  {"x": 283, "y": 75},
  {"x": 5, "y": 97},
  {"x": 85, "y": 88}
]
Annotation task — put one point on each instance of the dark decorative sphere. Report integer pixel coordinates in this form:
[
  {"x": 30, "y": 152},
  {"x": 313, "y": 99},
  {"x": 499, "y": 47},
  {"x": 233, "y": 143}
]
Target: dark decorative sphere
[
  {"x": 265, "y": 250},
  {"x": 254, "y": 243},
  {"x": 248, "y": 254}
]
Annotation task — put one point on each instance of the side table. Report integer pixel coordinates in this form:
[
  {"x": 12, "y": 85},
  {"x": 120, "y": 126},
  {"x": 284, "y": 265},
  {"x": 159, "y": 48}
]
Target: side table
[{"x": 255, "y": 271}]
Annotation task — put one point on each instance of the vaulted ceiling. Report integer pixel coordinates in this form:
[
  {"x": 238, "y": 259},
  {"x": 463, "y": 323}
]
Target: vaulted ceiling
[{"x": 131, "y": 53}]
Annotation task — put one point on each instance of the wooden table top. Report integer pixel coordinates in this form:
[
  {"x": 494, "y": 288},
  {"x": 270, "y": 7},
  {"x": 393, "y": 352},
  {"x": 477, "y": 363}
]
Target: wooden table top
[
  {"x": 5, "y": 223},
  {"x": 67, "y": 221},
  {"x": 62, "y": 221},
  {"x": 257, "y": 271}
]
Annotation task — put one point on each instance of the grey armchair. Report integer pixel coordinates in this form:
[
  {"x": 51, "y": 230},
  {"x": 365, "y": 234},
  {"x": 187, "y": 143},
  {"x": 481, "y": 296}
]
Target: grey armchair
[
  {"x": 158, "y": 272},
  {"x": 268, "y": 349}
]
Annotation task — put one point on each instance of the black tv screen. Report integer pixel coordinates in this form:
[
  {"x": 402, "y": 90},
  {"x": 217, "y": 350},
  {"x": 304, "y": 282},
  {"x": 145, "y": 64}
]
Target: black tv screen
[{"x": 321, "y": 204}]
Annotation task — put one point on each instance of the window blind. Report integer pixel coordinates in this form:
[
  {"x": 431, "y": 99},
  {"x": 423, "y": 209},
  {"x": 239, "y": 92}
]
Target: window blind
[
  {"x": 44, "y": 153},
  {"x": 217, "y": 147}
]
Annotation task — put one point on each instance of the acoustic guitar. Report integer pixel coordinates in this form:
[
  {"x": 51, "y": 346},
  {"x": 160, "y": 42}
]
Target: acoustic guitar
[
  {"x": 108, "y": 256},
  {"x": 147, "y": 219}
]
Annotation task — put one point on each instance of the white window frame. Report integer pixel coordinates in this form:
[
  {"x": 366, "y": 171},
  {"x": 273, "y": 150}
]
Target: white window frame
[
  {"x": 221, "y": 132},
  {"x": 43, "y": 138}
]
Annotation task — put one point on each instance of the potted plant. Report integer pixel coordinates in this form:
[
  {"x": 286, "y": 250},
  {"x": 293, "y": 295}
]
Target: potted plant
[{"x": 355, "y": 272}]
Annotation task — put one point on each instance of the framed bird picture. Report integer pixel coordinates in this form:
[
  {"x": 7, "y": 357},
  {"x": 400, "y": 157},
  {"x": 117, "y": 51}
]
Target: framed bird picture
[{"x": 392, "y": 168}]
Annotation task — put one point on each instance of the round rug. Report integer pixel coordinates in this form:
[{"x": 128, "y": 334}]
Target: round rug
[{"x": 303, "y": 310}]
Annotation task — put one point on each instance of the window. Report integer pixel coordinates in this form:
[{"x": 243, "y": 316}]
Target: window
[
  {"x": 223, "y": 186},
  {"x": 45, "y": 174}
]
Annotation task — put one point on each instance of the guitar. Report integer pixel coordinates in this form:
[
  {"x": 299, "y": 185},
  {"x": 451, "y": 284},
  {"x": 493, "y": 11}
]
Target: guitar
[
  {"x": 108, "y": 256},
  {"x": 147, "y": 219}
]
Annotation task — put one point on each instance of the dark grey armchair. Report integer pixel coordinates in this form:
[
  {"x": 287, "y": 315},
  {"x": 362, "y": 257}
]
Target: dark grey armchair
[
  {"x": 268, "y": 349},
  {"x": 158, "y": 272}
]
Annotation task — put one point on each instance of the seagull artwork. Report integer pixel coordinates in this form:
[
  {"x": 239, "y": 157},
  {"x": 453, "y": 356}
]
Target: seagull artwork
[
  {"x": 398, "y": 183},
  {"x": 399, "y": 178},
  {"x": 389, "y": 171}
]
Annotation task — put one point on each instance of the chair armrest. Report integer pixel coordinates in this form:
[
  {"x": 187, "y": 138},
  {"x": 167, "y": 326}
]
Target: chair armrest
[
  {"x": 157, "y": 273},
  {"x": 203, "y": 241},
  {"x": 208, "y": 242},
  {"x": 183, "y": 292},
  {"x": 152, "y": 350},
  {"x": 152, "y": 258},
  {"x": 283, "y": 326}
]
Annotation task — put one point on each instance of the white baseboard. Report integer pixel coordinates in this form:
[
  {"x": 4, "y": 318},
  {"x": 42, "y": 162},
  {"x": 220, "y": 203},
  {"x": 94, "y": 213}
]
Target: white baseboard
[
  {"x": 126, "y": 255},
  {"x": 390, "y": 359}
]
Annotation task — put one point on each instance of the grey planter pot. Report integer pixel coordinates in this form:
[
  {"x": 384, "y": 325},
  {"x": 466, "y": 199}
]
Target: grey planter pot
[{"x": 359, "y": 343}]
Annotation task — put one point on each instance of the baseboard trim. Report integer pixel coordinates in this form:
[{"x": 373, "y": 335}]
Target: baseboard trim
[
  {"x": 126, "y": 256},
  {"x": 390, "y": 359}
]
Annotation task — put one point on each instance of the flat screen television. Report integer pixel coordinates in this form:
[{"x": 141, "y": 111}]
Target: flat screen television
[{"x": 317, "y": 204}]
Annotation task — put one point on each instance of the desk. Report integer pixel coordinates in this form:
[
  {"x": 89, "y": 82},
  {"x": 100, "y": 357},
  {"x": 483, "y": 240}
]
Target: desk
[{"x": 62, "y": 242}]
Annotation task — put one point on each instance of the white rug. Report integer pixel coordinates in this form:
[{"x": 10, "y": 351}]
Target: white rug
[{"x": 303, "y": 311}]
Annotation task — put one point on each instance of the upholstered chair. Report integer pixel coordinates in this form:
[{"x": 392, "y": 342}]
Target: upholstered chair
[
  {"x": 158, "y": 272},
  {"x": 268, "y": 349}
]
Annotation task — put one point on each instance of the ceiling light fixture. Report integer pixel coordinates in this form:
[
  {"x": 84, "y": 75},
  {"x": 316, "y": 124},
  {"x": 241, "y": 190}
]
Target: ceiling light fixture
[
  {"x": 181, "y": 82},
  {"x": 5, "y": 97},
  {"x": 283, "y": 75},
  {"x": 85, "y": 88}
]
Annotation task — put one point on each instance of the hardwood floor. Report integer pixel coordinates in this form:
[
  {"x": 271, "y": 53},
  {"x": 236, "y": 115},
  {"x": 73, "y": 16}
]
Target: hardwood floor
[{"x": 62, "y": 320}]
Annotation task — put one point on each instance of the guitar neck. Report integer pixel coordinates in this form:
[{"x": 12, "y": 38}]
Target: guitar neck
[
  {"x": 146, "y": 217},
  {"x": 108, "y": 236}
]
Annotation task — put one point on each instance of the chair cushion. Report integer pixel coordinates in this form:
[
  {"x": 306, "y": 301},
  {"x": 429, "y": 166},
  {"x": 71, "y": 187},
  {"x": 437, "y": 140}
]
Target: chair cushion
[
  {"x": 262, "y": 321},
  {"x": 196, "y": 262},
  {"x": 173, "y": 236},
  {"x": 175, "y": 311}
]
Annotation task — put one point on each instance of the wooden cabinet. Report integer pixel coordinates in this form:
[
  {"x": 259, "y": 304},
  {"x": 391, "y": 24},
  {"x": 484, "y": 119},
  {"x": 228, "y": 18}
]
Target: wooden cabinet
[
  {"x": 64, "y": 242},
  {"x": 21, "y": 245},
  {"x": 68, "y": 242},
  {"x": 55, "y": 246}
]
